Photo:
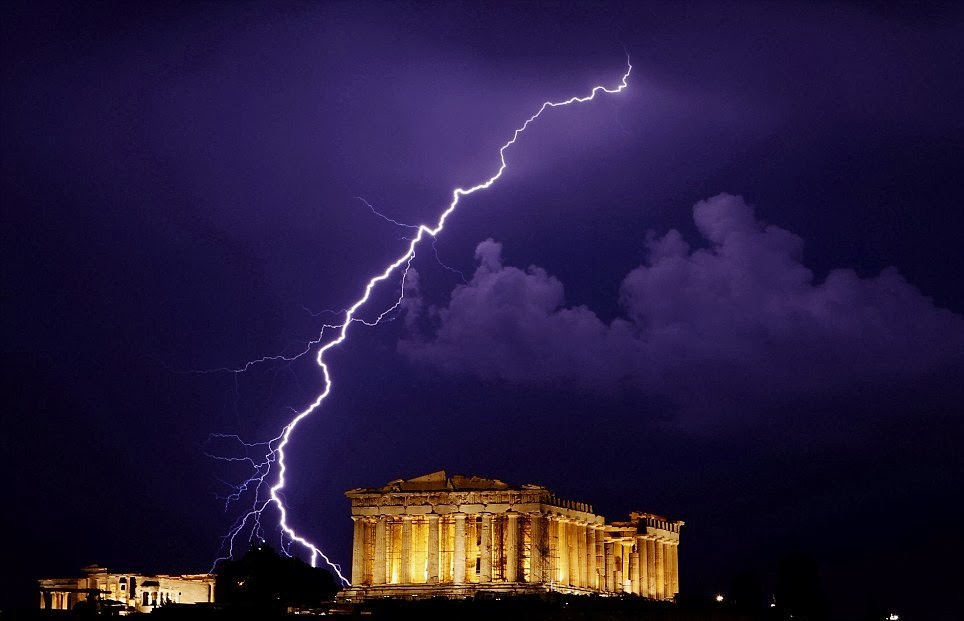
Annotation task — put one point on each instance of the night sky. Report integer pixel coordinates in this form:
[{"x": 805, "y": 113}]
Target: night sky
[{"x": 732, "y": 294}]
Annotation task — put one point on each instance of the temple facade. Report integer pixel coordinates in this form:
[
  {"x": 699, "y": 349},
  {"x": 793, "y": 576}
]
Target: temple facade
[
  {"x": 436, "y": 535},
  {"x": 129, "y": 592}
]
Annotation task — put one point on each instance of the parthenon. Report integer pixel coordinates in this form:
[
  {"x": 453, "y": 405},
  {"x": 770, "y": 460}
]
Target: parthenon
[{"x": 436, "y": 535}]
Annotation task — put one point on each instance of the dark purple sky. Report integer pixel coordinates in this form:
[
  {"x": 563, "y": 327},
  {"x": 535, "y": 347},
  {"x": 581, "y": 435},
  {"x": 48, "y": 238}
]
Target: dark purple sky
[{"x": 733, "y": 294}]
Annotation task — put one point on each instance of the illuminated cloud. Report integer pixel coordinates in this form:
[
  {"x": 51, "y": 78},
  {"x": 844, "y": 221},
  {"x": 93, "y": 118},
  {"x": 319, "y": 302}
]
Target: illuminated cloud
[{"x": 741, "y": 316}]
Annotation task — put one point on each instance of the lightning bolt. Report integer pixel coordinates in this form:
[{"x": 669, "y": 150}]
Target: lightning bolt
[
  {"x": 412, "y": 226},
  {"x": 272, "y": 459}
]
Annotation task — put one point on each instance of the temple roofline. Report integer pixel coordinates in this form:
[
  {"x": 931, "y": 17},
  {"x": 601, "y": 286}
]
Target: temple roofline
[{"x": 440, "y": 481}]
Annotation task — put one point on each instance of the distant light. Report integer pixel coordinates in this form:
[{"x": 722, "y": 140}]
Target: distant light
[
  {"x": 719, "y": 597},
  {"x": 893, "y": 617}
]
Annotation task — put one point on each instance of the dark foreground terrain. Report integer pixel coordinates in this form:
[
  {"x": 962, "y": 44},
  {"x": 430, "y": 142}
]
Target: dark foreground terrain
[{"x": 555, "y": 609}]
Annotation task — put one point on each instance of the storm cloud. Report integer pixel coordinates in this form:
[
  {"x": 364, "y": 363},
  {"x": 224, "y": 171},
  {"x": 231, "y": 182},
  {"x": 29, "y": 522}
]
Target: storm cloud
[{"x": 741, "y": 315}]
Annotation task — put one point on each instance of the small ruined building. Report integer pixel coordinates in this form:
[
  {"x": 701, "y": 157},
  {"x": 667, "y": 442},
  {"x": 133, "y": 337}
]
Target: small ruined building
[
  {"x": 126, "y": 592},
  {"x": 457, "y": 536}
]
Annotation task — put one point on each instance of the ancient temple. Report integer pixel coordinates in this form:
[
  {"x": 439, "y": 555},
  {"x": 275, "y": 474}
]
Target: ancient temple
[
  {"x": 125, "y": 592},
  {"x": 436, "y": 535}
]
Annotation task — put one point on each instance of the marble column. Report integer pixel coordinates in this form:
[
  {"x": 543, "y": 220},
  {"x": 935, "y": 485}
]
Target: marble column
[
  {"x": 562, "y": 532},
  {"x": 573, "y": 538},
  {"x": 512, "y": 547},
  {"x": 660, "y": 570},
  {"x": 405, "y": 573},
  {"x": 667, "y": 570},
  {"x": 358, "y": 551},
  {"x": 591, "y": 577},
  {"x": 536, "y": 571},
  {"x": 619, "y": 559},
  {"x": 675, "y": 574},
  {"x": 610, "y": 566},
  {"x": 634, "y": 572},
  {"x": 433, "y": 548},
  {"x": 381, "y": 549},
  {"x": 583, "y": 564},
  {"x": 485, "y": 551},
  {"x": 600, "y": 559},
  {"x": 631, "y": 551},
  {"x": 651, "y": 565},
  {"x": 458, "y": 573},
  {"x": 497, "y": 541},
  {"x": 641, "y": 549}
]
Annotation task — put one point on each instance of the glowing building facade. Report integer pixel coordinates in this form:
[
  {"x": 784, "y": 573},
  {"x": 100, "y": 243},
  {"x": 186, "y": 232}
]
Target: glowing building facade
[
  {"x": 454, "y": 537},
  {"x": 128, "y": 592}
]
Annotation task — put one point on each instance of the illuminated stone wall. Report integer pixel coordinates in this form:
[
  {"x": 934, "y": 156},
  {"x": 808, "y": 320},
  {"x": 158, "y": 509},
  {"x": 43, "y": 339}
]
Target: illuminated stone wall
[
  {"x": 439, "y": 536},
  {"x": 133, "y": 592}
]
